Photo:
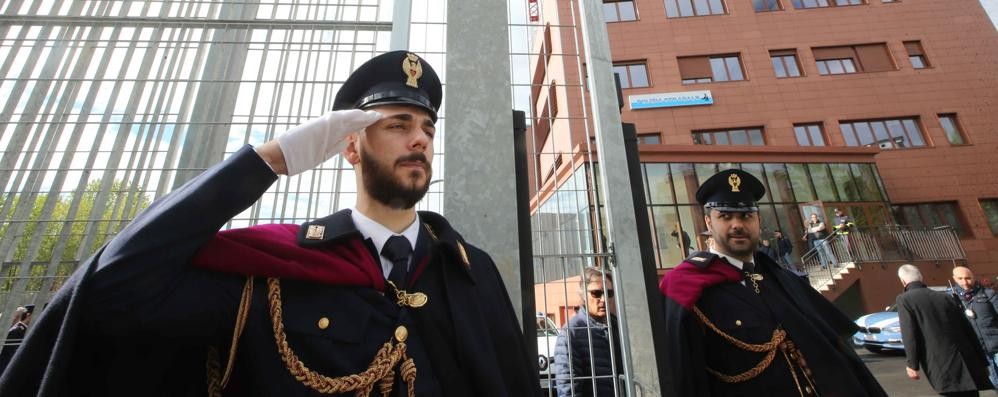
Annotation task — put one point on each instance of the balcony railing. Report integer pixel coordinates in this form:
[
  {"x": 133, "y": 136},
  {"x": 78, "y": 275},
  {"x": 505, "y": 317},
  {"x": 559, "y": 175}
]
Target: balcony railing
[{"x": 880, "y": 244}]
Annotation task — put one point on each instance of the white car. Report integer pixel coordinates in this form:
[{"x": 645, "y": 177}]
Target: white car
[{"x": 547, "y": 337}]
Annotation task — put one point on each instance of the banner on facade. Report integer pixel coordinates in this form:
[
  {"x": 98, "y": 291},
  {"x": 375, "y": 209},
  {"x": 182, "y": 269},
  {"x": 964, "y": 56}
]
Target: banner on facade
[{"x": 670, "y": 99}]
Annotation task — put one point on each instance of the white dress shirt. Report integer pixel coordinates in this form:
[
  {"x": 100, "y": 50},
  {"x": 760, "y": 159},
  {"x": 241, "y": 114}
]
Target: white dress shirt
[
  {"x": 740, "y": 264},
  {"x": 379, "y": 235}
]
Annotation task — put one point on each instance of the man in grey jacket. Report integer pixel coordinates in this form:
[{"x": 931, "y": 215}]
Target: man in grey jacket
[{"x": 587, "y": 354}]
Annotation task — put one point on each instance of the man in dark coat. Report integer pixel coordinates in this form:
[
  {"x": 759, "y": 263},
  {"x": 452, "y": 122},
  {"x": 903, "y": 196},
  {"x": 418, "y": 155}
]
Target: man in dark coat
[
  {"x": 784, "y": 249},
  {"x": 587, "y": 354},
  {"x": 22, "y": 317},
  {"x": 375, "y": 300},
  {"x": 737, "y": 324},
  {"x": 980, "y": 306},
  {"x": 938, "y": 339}
]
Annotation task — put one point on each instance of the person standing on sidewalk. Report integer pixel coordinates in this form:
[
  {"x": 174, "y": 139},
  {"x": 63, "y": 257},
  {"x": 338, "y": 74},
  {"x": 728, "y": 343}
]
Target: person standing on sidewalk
[{"x": 980, "y": 306}]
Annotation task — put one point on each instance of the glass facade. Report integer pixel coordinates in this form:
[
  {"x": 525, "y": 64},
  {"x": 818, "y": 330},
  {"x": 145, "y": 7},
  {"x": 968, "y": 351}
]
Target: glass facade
[{"x": 562, "y": 225}]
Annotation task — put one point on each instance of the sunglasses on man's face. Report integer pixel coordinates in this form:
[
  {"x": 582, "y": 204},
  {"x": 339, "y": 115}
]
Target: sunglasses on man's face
[{"x": 598, "y": 293}]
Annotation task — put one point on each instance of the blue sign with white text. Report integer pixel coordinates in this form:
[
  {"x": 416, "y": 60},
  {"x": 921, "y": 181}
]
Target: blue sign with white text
[{"x": 670, "y": 99}]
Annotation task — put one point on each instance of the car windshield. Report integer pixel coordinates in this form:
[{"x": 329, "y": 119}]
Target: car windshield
[{"x": 546, "y": 327}]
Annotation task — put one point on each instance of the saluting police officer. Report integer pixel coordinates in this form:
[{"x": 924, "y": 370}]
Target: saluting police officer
[
  {"x": 740, "y": 325},
  {"x": 373, "y": 300}
]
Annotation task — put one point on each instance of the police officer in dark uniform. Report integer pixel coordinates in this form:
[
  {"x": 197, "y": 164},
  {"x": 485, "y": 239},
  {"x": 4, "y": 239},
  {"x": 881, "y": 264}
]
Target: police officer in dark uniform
[
  {"x": 374, "y": 300},
  {"x": 740, "y": 325}
]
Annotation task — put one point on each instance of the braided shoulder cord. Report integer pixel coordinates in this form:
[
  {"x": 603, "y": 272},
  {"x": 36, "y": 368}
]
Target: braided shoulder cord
[
  {"x": 381, "y": 369},
  {"x": 216, "y": 380},
  {"x": 769, "y": 348}
]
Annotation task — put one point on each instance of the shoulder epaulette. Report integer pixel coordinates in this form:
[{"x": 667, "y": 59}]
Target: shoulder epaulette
[{"x": 701, "y": 258}]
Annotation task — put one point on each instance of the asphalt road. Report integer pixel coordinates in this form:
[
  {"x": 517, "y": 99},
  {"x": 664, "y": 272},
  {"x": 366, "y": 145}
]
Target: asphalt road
[{"x": 888, "y": 368}]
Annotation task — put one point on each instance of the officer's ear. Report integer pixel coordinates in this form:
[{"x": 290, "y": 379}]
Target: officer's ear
[{"x": 352, "y": 151}]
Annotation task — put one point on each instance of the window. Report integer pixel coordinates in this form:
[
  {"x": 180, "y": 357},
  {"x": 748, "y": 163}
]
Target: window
[
  {"x": 887, "y": 134},
  {"x": 705, "y": 69},
  {"x": 809, "y": 134},
  {"x": 853, "y": 59},
  {"x": 736, "y": 137},
  {"x": 785, "y": 63},
  {"x": 632, "y": 75},
  {"x": 619, "y": 11},
  {"x": 916, "y": 54},
  {"x": 990, "y": 207},
  {"x": 649, "y": 138},
  {"x": 931, "y": 215},
  {"x": 953, "y": 133},
  {"x": 825, "y": 3},
  {"x": 766, "y": 5},
  {"x": 691, "y": 8}
]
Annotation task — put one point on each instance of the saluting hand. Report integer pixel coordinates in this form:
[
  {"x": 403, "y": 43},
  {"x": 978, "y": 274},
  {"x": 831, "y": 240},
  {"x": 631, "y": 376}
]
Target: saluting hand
[
  {"x": 912, "y": 373},
  {"x": 311, "y": 143}
]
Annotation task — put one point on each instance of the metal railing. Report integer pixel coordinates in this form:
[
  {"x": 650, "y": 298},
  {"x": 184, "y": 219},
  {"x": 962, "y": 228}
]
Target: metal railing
[{"x": 880, "y": 244}]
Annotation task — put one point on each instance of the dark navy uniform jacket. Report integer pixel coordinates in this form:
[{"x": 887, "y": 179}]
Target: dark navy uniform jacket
[
  {"x": 710, "y": 283},
  {"x": 137, "y": 318}
]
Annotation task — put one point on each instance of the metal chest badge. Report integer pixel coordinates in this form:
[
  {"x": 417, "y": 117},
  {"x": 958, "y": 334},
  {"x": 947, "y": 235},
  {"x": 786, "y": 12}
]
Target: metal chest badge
[
  {"x": 413, "y": 70},
  {"x": 734, "y": 181},
  {"x": 315, "y": 232}
]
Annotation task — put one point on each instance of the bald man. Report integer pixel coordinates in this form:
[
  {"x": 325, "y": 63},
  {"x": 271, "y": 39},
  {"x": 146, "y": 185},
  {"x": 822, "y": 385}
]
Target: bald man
[{"x": 981, "y": 308}]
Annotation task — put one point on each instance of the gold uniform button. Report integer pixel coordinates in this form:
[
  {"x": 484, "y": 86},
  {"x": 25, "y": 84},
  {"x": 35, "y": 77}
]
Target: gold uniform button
[
  {"x": 323, "y": 323},
  {"x": 401, "y": 333},
  {"x": 738, "y": 323}
]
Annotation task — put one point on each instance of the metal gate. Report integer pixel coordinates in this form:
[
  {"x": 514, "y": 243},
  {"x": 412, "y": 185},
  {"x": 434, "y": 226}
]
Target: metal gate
[{"x": 582, "y": 212}]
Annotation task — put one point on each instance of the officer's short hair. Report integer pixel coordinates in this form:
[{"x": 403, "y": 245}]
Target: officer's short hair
[{"x": 909, "y": 273}]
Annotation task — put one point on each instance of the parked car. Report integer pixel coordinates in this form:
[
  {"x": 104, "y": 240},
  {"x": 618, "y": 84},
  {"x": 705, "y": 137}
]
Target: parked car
[
  {"x": 879, "y": 332},
  {"x": 547, "y": 337}
]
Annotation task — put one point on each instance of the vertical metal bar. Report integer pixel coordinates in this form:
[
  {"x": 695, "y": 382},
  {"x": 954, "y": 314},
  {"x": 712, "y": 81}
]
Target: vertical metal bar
[
  {"x": 523, "y": 226},
  {"x": 637, "y": 346},
  {"x": 401, "y": 19}
]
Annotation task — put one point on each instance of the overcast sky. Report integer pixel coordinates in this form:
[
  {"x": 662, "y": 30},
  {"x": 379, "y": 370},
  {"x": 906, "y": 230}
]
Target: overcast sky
[{"x": 992, "y": 7}]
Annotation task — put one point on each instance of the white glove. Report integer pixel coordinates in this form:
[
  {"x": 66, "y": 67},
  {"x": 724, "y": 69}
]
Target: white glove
[{"x": 311, "y": 143}]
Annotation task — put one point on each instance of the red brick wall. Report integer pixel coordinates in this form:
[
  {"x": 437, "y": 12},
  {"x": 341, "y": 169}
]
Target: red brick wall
[{"x": 961, "y": 45}]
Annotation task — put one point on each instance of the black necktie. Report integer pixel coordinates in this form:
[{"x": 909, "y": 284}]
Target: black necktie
[
  {"x": 748, "y": 267},
  {"x": 397, "y": 249}
]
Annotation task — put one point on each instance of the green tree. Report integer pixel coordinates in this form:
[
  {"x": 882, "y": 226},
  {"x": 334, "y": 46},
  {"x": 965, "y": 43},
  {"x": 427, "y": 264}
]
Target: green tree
[{"x": 123, "y": 203}]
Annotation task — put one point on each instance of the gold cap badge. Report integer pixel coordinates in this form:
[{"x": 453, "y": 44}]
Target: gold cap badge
[
  {"x": 734, "y": 181},
  {"x": 413, "y": 69},
  {"x": 315, "y": 232}
]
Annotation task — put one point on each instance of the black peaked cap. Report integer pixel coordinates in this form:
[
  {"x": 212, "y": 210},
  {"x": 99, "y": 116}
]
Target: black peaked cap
[
  {"x": 731, "y": 190},
  {"x": 392, "y": 78}
]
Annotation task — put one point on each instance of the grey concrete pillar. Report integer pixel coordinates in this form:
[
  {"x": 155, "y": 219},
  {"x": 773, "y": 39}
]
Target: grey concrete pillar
[
  {"x": 480, "y": 197},
  {"x": 639, "y": 352}
]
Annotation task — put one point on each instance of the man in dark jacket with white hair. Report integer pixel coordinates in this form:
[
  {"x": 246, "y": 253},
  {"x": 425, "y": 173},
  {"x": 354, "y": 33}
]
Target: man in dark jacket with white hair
[
  {"x": 587, "y": 366},
  {"x": 938, "y": 340}
]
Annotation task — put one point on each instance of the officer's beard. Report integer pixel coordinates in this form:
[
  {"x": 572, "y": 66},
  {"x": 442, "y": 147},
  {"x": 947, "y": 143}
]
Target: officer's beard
[
  {"x": 383, "y": 186},
  {"x": 737, "y": 251}
]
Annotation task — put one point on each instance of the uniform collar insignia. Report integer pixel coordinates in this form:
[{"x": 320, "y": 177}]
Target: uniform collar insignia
[{"x": 315, "y": 232}]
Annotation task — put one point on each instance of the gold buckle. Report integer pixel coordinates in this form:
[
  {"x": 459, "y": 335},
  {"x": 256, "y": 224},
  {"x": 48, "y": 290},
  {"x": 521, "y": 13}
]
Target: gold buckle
[{"x": 403, "y": 298}]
